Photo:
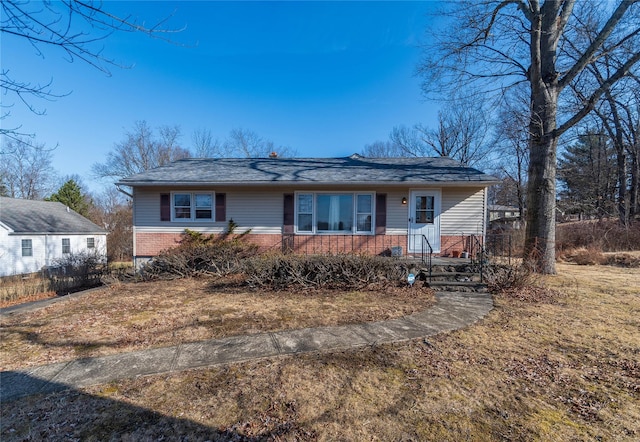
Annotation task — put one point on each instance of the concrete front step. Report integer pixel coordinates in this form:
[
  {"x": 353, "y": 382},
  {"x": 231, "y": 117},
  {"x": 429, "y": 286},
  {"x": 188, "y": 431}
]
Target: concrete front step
[
  {"x": 458, "y": 286},
  {"x": 452, "y": 276}
]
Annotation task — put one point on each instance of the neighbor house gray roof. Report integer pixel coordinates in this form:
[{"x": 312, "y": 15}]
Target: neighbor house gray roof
[
  {"x": 349, "y": 170},
  {"x": 28, "y": 216}
]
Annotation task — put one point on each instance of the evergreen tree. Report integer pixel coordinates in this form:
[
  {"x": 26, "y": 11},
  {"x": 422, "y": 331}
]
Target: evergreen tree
[
  {"x": 588, "y": 171},
  {"x": 70, "y": 194}
]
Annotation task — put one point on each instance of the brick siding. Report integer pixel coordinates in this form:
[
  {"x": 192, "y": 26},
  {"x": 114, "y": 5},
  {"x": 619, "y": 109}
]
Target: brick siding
[{"x": 150, "y": 244}]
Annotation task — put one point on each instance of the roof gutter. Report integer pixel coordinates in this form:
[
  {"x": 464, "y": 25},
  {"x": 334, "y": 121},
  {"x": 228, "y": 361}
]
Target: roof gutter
[{"x": 305, "y": 183}]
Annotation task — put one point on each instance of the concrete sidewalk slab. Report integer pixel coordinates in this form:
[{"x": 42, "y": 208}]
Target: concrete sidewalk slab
[
  {"x": 452, "y": 311},
  {"x": 225, "y": 351}
]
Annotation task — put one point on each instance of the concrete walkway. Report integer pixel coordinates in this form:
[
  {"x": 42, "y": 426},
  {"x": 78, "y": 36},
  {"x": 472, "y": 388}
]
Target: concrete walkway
[{"x": 452, "y": 311}]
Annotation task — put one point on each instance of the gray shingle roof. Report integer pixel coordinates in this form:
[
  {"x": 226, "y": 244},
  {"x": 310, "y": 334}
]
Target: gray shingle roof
[
  {"x": 349, "y": 170},
  {"x": 28, "y": 216}
]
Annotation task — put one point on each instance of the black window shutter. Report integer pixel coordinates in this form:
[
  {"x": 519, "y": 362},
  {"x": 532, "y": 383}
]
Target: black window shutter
[
  {"x": 289, "y": 213},
  {"x": 221, "y": 206},
  {"x": 165, "y": 207},
  {"x": 381, "y": 213}
]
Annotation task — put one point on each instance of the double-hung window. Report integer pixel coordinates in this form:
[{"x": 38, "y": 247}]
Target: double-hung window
[
  {"x": 27, "y": 247},
  {"x": 192, "y": 206},
  {"x": 66, "y": 245},
  {"x": 91, "y": 243},
  {"x": 334, "y": 213}
]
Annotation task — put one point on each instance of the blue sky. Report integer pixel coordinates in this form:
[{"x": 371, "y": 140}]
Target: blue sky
[{"x": 325, "y": 78}]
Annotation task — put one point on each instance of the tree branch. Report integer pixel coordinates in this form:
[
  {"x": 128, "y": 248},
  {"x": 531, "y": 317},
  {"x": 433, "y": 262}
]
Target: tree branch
[
  {"x": 597, "y": 43},
  {"x": 595, "y": 96}
]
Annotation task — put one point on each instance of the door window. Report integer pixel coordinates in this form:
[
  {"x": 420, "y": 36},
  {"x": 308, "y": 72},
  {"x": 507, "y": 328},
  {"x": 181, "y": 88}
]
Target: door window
[{"x": 425, "y": 209}]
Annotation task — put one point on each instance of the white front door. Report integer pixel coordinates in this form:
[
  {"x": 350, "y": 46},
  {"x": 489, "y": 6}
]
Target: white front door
[{"x": 424, "y": 220}]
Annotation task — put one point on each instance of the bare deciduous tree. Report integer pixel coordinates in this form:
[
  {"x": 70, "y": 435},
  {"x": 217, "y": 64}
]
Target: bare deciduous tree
[
  {"x": 383, "y": 149},
  {"x": 461, "y": 134},
  {"x": 204, "y": 145},
  {"x": 247, "y": 143},
  {"x": 495, "y": 44},
  {"x": 142, "y": 150},
  {"x": 114, "y": 212},
  {"x": 25, "y": 168},
  {"x": 462, "y": 131},
  {"x": 512, "y": 143}
]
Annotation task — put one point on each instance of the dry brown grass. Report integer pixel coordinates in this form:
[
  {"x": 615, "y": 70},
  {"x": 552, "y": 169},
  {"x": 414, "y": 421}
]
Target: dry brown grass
[
  {"x": 558, "y": 368},
  {"x": 133, "y": 316}
]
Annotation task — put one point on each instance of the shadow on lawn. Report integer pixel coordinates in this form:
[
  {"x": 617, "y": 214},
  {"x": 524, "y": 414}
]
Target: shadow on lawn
[{"x": 36, "y": 409}]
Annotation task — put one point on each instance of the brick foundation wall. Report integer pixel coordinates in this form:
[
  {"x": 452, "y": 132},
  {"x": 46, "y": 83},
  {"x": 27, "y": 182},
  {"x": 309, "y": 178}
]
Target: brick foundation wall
[
  {"x": 367, "y": 244},
  {"x": 449, "y": 245},
  {"x": 150, "y": 244}
]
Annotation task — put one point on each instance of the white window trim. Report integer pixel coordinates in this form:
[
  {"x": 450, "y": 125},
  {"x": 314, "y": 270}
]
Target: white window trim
[
  {"x": 63, "y": 245},
  {"x": 23, "y": 248},
  {"x": 192, "y": 218},
  {"x": 93, "y": 240},
  {"x": 354, "y": 231}
]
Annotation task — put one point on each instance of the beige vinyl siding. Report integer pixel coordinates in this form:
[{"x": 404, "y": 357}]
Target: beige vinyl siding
[
  {"x": 397, "y": 213},
  {"x": 259, "y": 210},
  {"x": 463, "y": 211},
  {"x": 262, "y": 210},
  {"x": 146, "y": 207}
]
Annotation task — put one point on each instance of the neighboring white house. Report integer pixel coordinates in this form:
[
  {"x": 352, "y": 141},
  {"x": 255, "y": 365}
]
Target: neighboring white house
[
  {"x": 313, "y": 205},
  {"x": 34, "y": 234}
]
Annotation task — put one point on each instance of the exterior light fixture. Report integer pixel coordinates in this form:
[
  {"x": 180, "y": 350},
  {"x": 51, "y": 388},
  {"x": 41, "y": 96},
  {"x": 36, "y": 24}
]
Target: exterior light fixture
[{"x": 404, "y": 200}]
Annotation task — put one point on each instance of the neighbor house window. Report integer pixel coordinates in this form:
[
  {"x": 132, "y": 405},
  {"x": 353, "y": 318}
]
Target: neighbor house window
[
  {"x": 66, "y": 245},
  {"x": 192, "y": 206},
  {"x": 334, "y": 213},
  {"x": 91, "y": 243},
  {"x": 27, "y": 247}
]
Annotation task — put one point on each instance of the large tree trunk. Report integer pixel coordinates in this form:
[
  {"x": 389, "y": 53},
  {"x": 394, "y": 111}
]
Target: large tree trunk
[
  {"x": 540, "y": 238},
  {"x": 539, "y": 248}
]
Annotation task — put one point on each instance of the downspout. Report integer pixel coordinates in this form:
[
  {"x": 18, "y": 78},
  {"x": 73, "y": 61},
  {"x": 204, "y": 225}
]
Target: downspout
[
  {"x": 123, "y": 191},
  {"x": 486, "y": 215}
]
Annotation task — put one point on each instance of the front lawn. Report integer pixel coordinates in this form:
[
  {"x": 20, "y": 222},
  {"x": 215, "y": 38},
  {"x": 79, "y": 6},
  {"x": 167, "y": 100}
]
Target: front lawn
[
  {"x": 133, "y": 316},
  {"x": 564, "y": 366}
]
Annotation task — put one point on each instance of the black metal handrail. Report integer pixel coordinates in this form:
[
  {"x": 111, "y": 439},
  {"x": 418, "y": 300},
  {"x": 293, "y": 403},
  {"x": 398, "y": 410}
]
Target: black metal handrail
[
  {"x": 429, "y": 260},
  {"x": 478, "y": 254}
]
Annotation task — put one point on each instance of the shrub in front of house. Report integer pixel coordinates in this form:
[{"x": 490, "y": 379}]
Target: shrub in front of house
[
  {"x": 200, "y": 254},
  {"x": 343, "y": 272}
]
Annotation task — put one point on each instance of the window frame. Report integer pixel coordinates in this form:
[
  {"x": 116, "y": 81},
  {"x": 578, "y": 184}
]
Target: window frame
[
  {"x": 426, "y": 210},
  {"x": 92, "y": 244},
  {"x": 193, "y": 209},
  {"x": 354, "y": 209},
  {"x": 23, "y": 246},
  {"x": 66, "y": 246}
]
